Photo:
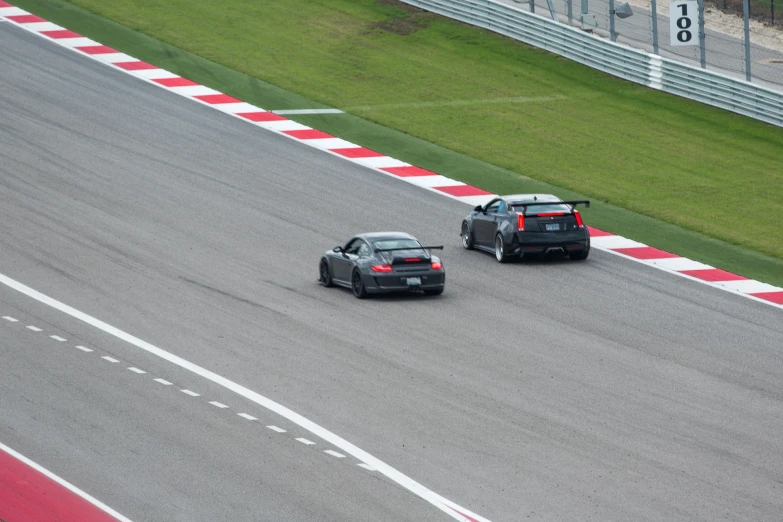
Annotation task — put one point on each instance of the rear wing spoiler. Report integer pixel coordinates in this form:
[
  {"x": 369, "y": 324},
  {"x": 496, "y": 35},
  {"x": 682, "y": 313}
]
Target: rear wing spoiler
[
  {"x": 584, "y": 202},
  {"x": 378, "y": 250}
]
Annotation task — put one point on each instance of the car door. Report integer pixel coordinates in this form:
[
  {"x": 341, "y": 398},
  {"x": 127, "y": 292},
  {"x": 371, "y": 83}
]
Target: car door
[
  {"x": 342, "y": 264},
  {"x": 484, "y": 225}
]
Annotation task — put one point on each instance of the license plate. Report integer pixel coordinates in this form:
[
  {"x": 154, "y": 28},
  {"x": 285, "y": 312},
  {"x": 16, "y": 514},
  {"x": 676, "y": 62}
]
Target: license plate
[
  {"x": 414, "y": 281},
  {"x": 553, "y": 226}
]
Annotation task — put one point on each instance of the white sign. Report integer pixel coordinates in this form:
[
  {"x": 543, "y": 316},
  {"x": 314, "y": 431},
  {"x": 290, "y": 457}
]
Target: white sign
[{"x": 684, "y": 22}]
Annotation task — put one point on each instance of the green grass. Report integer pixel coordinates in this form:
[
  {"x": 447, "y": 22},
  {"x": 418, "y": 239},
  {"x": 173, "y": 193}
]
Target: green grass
[{"x": 478, "y": 107}]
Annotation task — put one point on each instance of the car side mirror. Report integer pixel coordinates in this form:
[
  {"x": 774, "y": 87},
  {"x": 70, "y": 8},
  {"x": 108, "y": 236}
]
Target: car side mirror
[
  {"x": 337, "y": 249},
  {"x": 478, "y": 208}
]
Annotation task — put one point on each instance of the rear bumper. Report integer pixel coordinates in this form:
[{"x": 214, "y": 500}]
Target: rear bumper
[
  {"x": 398, "y": 283},
  {"x": 540, "y": 242}
]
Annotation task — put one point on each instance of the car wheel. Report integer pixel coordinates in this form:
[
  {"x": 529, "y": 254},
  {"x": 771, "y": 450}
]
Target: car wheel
[
  {"x": 467, "y": 237},
  {"x": 581, "y": 255},
  {"x": 357, "y": 285},
  {"x": 434, "y": 291},
  {"x": 500, "y": 249},
  {"x": 326, "y": 275}
]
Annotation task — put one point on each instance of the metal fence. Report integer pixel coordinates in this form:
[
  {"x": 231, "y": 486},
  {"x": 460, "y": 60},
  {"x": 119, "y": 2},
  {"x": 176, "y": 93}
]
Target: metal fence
[{"x": 673, "y": 76}]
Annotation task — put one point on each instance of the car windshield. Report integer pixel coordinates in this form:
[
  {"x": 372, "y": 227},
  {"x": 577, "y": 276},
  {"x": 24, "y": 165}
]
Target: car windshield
[
  {"x": 541, "y": 209},
  {"x": 385, "y": 244}
]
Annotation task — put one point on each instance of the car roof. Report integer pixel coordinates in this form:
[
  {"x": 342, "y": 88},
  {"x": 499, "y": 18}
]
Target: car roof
[
  {"x": 385, "y": 235},
  {"x": 532, "y": 197}
]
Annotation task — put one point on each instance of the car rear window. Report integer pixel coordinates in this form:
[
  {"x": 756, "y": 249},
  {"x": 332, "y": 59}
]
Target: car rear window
[
  {"x": 542, "y": 209},
  {"x": 396, "y": 243}
]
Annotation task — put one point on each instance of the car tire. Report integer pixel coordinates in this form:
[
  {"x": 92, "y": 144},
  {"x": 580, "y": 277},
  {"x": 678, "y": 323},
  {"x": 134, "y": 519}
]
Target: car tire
[
  {"x": 434, "y": 291},
  {"x": 357, "y": 285},
  {"x": 581, "y": 255},
  {"x": 500, "y": 249},
  {"x": 467, "y": 237},
  {"x": 325, "y": 274}
]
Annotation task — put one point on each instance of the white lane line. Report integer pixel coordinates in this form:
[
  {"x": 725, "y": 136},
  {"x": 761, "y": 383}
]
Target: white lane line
[
  {"x": 305, "y": 441},
  {"x": 438, "y": 501},
  {"x": 164, "y": 382},
  {"x": 11, "y": 319},
  {"x": 110, "y": 359},
  {"x": 58, "y": 338},
  {"x": 67, "y": 485},
  {"x": 136, "y": 370},
  {"x": 366, "y": 466},
  {"x": 191, "y": 393},
  {"x": 334, "y": 454},
  {"x": 33, "y": 328},
  {"x": 218, "y": 404},
  {"x": 84, "y": 348},
  {"x": 309, "y": 111},
  {"x": 275, "y": 428},
  {"x": 246, "y": 416}
]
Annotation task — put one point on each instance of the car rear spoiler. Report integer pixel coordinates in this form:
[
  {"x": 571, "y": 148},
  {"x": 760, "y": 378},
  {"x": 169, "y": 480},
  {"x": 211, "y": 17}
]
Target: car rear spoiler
[
  {"x": 378, "y": 250},
  {"x": 585, "y": 202}
]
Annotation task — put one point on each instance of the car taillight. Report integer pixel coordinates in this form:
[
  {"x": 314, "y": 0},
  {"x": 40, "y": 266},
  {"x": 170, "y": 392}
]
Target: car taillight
[
  {"x": 437, "y": 265},
  {"x": 412, "y": 259},
  {"x": 579, "y": 221},
  {"x": 551, "y": 214},
  {"x": 520, "y": 221},
  {"x": 381, "y": 268}
]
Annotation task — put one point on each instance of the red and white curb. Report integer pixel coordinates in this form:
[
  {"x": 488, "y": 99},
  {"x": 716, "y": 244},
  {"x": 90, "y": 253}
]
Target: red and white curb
[{"x": 412, "y": 174}]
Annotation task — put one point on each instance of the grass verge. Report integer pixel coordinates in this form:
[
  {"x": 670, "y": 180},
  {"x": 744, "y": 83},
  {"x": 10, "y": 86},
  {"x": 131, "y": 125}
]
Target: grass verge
[{"x": 469, "y": 95}]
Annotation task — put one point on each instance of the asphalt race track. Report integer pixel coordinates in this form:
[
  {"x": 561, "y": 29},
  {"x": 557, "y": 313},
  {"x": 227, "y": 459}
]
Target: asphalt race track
[{"x": 602, "y": 390}]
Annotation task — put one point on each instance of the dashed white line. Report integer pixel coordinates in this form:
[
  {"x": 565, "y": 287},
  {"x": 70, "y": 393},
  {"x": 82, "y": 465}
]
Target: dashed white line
[
  {"x": 305, "y": 441},
  {"x": 275, "y": 428},
  {"x": 246, "y": 416},
  {"x": 136, "y": 370},
  {"x": 164, "y": 382},
  {"x": 34, "y": 328},
  {"x": 83, "y": 348},
  {"x": 9, "y": 318},
  {"x": 218, "y": 404},
  {"x": 334, "y": 454},
  {"x": 191, "y": 393},
  {"x": 366, "y": 466},
  {"x": 110, "y": 359},
  {"x": 58, "y": 338}
]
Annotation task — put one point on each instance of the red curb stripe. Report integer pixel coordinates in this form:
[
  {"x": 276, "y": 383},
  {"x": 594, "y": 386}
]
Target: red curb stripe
[
  {"x": 26, "y": 494},
  {"x": 97, "y": 49},
  {"x": 175, "y": 82},
  {"x": 713, "y": 274},
  {"x": 407, "y": 172},
  {"x": 463, "y": 190},
  {"x": 594, "y": 232},
  {"x": 135, "y": 66},
  {"x": 4, "y": 4},
  {"x": 357, "y": 152},
  {"x": 772, "y": 297},
  {"x": 261, "y": 116},
  {"x": 215, "y": 99},
  {"x": 61, "y": 34},
  {"x": 25, "y": 19},
  {"x": 308, "y": 134},
  {"x": 645, "y": 253}
]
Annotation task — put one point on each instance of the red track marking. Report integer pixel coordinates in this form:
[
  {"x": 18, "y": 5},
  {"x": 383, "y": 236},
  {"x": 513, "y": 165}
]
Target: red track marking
[
  {"x": 645, "y": 253},
  {"x": 26, "y": 494},
  {"x": 407, "y": 172},
  {"x": 97, "y": 49},
  {"x": 463, "y": 514},
  {"x": 774, "y": 297},
  {"x": 3, "y": 4},
  {"x": 61, "y": 34},
  {"x": 25, "y": 19},
  {"x": 175, "y": 82},
  {"x": 214, "y": 99},
  {"x": 464, "y": 190},
  {"x": 713, "y": 274},
  {"x": 261, "y": 116},
  {"x": 594, "y": 232},
  {"x": 308, "y": 134},
  {"x": 357, "y": 152},
  {"x": 135, "y": 66}
]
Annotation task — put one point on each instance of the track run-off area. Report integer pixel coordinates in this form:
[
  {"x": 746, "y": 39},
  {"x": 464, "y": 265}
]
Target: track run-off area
[{"x": 542, "y": 390}]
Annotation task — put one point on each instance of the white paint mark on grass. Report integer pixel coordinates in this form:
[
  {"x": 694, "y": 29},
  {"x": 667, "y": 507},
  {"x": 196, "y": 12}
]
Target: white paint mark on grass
[
  {"x": 218, "y": 404},
  {"x": 11, "y": 319},
  {"x": 305, "y": 441},
  {"x": 164, "y": 382},
  {"x": 83, "y": 348},
  {"x": 191, "y": 393},
  {"x": 58, "y": 338},
  {"x": 309, "y": 111},
  {"x": 136, "y": 370},
  {"x": 110, "y": 359},
  {"x": 246, "y": 416},
  {"x": 34, "y": 328},
  {"x": 366, "y": 466},
  {"x": 334, "y": 454},
  {"x": 275, "y": 428}
]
